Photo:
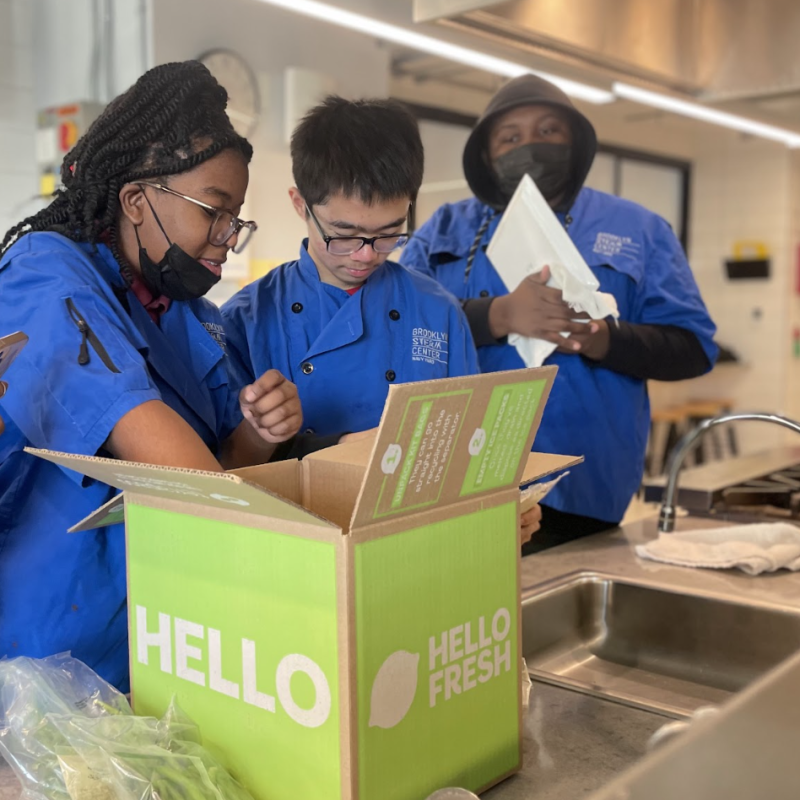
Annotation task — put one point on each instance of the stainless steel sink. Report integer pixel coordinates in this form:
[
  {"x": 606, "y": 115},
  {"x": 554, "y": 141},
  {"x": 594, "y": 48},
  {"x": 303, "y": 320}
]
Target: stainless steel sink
[{"x": 650, "y": 647}]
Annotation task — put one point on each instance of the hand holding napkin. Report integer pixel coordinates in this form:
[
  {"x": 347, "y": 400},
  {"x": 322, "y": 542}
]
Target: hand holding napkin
[{"x": 530, "y": 238}]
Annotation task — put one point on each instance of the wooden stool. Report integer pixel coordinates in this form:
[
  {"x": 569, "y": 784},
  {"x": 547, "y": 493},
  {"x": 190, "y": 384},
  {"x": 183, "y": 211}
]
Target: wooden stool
[
  {"x": 698, "y": 411},
  {"x": 667, "y": 425}
]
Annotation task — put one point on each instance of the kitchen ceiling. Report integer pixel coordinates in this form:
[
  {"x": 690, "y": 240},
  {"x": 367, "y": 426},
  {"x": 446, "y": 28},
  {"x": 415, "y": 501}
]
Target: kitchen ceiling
[{"x": 741, "y": 55}]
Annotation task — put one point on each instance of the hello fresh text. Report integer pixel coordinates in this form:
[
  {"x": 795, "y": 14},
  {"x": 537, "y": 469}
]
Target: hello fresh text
[
  {"x": 245, "y": 689},
  {"x": 468, "y": 655}
]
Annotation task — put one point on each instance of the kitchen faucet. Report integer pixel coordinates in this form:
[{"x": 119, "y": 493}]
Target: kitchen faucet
[{"x": 666, "y": 517}]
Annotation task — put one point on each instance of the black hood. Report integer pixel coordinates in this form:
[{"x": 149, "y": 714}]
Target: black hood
[{"x": 523, "y": 91}]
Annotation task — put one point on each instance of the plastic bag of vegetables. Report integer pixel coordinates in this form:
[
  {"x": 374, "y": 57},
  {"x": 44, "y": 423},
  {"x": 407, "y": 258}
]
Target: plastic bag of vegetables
[{"x": 71, "y": 736}]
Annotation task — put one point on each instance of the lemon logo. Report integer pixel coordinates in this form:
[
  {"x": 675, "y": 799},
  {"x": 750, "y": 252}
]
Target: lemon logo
[
  {"x": 391, "y": 459},
  {"x": 394, "y": 689},
  {"x": 477, "y": 441}
]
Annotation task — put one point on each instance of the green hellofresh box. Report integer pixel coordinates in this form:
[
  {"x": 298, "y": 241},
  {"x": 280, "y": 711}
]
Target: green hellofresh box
[{"x": 346, "y": 626}]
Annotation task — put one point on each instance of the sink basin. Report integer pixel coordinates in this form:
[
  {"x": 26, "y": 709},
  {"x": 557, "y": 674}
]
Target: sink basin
[{"x": 648, "y": 646}]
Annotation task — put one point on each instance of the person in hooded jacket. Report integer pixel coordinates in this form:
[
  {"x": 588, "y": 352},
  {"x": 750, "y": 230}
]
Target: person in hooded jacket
[{"x": 599, "y": 405}]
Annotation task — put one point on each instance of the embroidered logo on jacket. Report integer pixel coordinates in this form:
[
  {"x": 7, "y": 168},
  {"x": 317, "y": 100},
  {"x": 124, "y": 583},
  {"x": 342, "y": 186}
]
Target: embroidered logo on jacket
[
  {"x": 429, "y": 346},
  {"x": 609, "y": 244},
  {"x": 217, "y": 333}
]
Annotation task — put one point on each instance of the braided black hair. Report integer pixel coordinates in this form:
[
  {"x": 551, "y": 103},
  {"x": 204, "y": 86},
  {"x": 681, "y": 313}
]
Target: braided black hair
[{"x": 172, "y": 119}]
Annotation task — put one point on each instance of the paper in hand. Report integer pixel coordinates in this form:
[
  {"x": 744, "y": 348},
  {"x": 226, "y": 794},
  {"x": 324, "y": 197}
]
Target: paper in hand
[
  {"x": 529, "y": 238},
  {"x": 529, "y": 497}
]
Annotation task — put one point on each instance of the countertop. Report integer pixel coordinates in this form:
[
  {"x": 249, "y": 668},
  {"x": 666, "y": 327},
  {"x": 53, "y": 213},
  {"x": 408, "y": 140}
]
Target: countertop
[{"x": 574, "y": 744}]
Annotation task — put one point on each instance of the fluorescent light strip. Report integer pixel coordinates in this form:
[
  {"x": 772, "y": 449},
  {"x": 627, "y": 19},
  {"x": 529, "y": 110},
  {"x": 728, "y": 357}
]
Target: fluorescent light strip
[
  {"x": 697, "y": 111},
  {"x": 427, "y": 44}
]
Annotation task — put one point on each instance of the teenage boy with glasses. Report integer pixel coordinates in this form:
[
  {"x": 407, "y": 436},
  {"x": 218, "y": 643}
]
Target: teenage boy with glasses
[{"x": 342, "y": 321}]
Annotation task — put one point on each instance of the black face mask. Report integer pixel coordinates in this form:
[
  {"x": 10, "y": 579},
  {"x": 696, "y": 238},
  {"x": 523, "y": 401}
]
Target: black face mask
[
  {"x": 178, "y": 275},
  {"x": 549, "y": 165}
]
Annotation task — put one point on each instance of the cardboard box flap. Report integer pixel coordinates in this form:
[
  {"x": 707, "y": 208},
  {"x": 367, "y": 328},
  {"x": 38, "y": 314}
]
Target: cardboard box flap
[
  {"x": 10, "y": 347},
  {"x": 441, "y": 441},
  {"x": 110, "y": 513},
  {"x": 215, "y": 489},
  {"x": 540, "y": 465},
  {"x": 357, "y": 453}
]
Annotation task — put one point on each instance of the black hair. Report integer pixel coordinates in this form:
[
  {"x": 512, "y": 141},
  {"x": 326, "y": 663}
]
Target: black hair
[
  {"x": 370, "y": 149},
  {"x": 172, "y": 119}
]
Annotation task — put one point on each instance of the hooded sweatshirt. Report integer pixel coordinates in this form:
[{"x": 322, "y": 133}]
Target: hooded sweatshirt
[{"x": 527, "y": 90}]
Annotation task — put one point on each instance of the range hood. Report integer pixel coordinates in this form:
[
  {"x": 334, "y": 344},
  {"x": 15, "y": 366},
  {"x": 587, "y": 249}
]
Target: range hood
[{"x": 714, "y": 50}]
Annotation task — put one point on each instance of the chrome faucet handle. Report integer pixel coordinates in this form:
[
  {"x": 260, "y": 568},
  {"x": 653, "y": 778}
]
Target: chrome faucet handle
[{"x": 668, "y": 512}]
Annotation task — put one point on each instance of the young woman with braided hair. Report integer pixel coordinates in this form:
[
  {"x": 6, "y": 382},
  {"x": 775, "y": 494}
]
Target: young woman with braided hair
[{"x": 126, "y": 358}]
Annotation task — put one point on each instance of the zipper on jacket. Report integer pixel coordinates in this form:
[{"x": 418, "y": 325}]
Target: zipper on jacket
[{"x": 88, "y": 337}]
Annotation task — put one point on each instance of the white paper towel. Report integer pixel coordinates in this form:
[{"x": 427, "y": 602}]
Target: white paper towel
[{"x": 757, "y": 548}]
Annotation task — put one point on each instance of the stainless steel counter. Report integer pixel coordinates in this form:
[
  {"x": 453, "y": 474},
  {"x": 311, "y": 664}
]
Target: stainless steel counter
[
  {"x": 9, "y": 788},
  {"x": 575, "y": 744}
]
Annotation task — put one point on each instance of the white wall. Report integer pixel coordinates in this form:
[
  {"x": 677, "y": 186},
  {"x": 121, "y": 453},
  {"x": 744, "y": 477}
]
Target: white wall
[
  {"x": 18, "y": 182},
  {"x": 47, "y": 49},
  {"x": 443, "y": 180},
  {"x": 88, "y": 49}
]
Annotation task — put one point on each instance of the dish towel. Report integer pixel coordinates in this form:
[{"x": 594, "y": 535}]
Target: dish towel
[{"x": 763, "y": 547}]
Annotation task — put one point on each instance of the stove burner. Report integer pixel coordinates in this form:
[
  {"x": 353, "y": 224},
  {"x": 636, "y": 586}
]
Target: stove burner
[{"x": 776, "y": 495}]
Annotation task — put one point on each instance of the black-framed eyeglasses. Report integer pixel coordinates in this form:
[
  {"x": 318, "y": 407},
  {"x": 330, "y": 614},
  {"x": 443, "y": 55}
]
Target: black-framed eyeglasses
[
  {"x": 224, "y": 224},
  {"x": 347, "y": 245}
]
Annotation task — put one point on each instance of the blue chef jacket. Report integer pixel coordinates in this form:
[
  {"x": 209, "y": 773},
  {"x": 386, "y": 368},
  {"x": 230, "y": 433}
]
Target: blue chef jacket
[
  {"x": 61, "y": 591},
  {"x": 343, "y": 351},
  {"x": 592, "y": 411}
]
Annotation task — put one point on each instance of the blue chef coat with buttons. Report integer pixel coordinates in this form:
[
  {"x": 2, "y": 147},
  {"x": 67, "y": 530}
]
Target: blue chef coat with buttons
[
  {"x": 344, "y": 351},
  {"x": 61, "y": 591},
  {"x": 593, "y": 411}
]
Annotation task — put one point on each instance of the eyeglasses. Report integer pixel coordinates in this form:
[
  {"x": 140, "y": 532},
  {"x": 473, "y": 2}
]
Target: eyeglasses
[
  {"x": 347, "y": 245},
  {"x": 224, "y": 224}
]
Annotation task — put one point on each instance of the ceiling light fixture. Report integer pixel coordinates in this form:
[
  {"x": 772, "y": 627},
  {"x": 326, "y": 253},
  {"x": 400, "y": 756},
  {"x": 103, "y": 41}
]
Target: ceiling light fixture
[
  {"x": 697, "y": 111},
  {"x": 437, "y": 47}
]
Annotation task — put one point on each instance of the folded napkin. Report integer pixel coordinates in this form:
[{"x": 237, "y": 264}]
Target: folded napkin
[{"x": 763, "y": 547}]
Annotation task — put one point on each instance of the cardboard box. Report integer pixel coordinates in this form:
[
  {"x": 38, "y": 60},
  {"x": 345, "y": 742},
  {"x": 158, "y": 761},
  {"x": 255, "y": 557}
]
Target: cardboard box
[
  {"x": 346, "y": 626},
  {"x": 10, "y": 347}
]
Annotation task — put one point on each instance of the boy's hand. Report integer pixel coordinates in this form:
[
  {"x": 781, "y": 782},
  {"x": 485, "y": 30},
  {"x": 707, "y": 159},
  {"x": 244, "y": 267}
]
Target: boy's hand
[
  {"x": 271, "y": 405},
  {"x": 529, "y": 522}
]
